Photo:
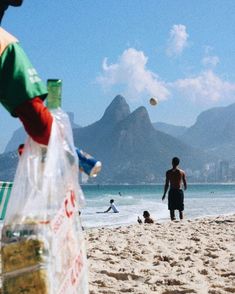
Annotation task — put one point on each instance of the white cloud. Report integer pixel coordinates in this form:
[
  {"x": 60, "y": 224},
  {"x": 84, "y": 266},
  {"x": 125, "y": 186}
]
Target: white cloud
[
  {"x": 178, "y": 40},
  {"x": 130, "y": 72},
  {"x": 210, "y": 61},
  {"x": 137, "y": 82},
  {"x": 206, "y": 87}
]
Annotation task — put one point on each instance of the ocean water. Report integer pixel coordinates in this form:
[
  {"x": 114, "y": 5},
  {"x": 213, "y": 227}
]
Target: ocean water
[{"x": 132, "y": 200}]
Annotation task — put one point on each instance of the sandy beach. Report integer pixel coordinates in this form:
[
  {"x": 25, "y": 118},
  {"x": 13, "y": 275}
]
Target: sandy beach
[{"x": 191, "y": 256}]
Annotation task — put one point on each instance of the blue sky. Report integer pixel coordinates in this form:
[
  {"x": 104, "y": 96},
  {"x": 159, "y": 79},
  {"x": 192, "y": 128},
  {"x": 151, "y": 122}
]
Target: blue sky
[{"x": 181, "y": 52}]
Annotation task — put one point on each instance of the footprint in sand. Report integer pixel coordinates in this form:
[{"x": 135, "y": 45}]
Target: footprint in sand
[
  {"x": 100, "y": 283},
  {"x": 127, "y": 290},
  {"x": 183, "y": 291},
  {"x": 122, "y": 276},
  {"x": 228, "y": 275},
  {"x": 203, "y": 272},
  {"x": 211, "y": 255}
]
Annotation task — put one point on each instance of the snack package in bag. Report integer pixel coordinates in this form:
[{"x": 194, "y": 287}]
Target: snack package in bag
[{"x": 43, "y": 249}]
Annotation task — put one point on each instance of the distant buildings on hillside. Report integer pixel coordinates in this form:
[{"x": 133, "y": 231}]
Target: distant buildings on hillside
[{"x": 220, "y": 171}]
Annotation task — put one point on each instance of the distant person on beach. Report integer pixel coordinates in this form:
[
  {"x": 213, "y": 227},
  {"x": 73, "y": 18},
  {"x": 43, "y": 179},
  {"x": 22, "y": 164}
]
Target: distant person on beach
[
  {"x": 147, "y": 218},
  {"x": 175, "y": 177},
  {"x": 112, "y": 206}
]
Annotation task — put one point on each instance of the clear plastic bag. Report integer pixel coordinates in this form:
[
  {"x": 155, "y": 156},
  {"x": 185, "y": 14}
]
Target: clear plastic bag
[{"x": 43, "y": 249}]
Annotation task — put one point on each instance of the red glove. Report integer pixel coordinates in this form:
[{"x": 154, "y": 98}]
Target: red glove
[{"x": 36, "y": 119}]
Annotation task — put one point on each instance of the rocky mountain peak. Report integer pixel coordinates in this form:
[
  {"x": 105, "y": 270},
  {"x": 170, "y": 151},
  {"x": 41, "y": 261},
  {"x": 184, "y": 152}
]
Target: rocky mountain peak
[
  {"x": 139, "y": 119},
  {"x": 117, "y": 110}
]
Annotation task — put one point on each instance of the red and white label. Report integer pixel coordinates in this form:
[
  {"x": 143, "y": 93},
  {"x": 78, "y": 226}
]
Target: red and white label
[
  {"x": 65, "y": 214},
  {"x": 72, "y": 277}
]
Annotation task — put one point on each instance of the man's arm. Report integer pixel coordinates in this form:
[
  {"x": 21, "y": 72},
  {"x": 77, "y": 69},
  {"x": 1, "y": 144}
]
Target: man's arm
[
  {"x": 36, "y": 118},
  {"x": 184, "y": 181},
  {"x": 108, "y": 209},
  {"x": 166, "y": 186}
]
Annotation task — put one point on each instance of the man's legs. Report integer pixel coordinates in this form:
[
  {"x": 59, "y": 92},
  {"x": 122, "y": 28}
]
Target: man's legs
[
  {"x": 181, "y": 214},
  {"x": 172, "y": 214}
]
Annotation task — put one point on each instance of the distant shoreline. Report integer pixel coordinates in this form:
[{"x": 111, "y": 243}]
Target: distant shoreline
[
  {"x": 161, "y": 221},
  {"x": 158, "y": 184}
]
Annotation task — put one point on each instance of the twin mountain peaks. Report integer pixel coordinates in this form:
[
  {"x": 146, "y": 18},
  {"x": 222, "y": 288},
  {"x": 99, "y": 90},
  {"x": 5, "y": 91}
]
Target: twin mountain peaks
[{"x": 135, "y": 151}]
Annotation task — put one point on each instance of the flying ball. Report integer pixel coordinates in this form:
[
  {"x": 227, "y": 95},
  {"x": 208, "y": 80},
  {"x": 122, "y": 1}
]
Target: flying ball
[{"x": 153, "y": 101}]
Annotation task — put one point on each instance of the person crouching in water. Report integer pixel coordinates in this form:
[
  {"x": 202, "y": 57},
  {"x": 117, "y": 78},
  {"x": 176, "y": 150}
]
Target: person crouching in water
[
  {"x": 112, "y": 206},
  {"x": 147, "y": 218}
]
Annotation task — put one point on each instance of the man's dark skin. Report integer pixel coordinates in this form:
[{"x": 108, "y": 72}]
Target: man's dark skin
[
  {"x": 4, "y": 5},
  {"x": 174, "y": 178}
]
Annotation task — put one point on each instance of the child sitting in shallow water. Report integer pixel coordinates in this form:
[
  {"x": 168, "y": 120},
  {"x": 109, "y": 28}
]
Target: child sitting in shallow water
[{"x": 147, "y": 218}]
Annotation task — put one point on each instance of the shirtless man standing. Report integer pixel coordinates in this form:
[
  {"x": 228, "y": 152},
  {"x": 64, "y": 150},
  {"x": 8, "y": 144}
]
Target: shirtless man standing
[{"x": 175, "y": 177}]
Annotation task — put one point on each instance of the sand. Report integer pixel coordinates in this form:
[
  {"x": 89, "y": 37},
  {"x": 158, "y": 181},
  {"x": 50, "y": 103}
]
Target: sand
[{"x": 191, "y": 256}]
